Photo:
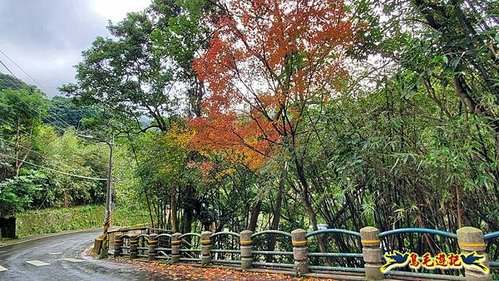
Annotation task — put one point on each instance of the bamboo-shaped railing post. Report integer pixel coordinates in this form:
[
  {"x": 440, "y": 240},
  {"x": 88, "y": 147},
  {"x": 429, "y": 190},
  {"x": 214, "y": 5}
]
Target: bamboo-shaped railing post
[
  {"x": 118, "y": 244},
  {"x": 205, "y": 248},
  {"x": 246, "y": 248},
  {"x": 371, "y": 253},
  {"x": 134, "y": 244},
  {"x": 153, "y": 244},
  {"x": 300, "y": 250},
  {"x": 176, "y": 243},
  {"x": 471, "y": 240}
]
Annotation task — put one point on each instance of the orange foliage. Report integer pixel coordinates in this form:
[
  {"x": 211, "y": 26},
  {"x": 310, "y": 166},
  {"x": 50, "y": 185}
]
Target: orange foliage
[
  {"x": 267, "y": 62},
  {"x": 181, "y": 137}
]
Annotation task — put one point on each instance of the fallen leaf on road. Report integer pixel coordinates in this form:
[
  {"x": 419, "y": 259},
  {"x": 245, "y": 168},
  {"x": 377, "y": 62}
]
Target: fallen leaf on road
[{"x": 189, "y": 272}]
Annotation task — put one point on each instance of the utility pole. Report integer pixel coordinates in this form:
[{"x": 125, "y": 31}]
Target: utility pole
[
  {"x": 107, "y": 219},
  {"x": 109, "y": 186}
]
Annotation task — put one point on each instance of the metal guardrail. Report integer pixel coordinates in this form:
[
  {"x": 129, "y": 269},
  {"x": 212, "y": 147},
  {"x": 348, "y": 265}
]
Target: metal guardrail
[
  {"x": 420, "y": 275},
  {"x": 333, "y": 231},
  {"x": 490, "y": 236},
  {"x": 167, "y": 245},
  {"x": 225, "y": 233},
  {"x": 331, "y": 260},
  {"x": 418, "y": 230},
  {"x": 271, "y": 232},
  {"x": 225, "y": 251},
  {"x": 336, "y": 255},
  {"x": 337, "y": 268}
]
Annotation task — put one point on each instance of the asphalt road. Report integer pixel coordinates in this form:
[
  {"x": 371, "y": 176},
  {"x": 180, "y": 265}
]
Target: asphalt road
[{"x": 61, "y": 258}]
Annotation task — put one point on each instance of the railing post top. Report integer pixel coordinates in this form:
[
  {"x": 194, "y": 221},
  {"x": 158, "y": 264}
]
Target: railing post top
[
  {"x": 369, "y": 229},
  {"x": 470, "y": 239},
  {"x": 206, "y": 238},
  {"x": 369, "y": 237},
  {"x": 153, "y": 236},
  {"x": 469, "y": 234},
  {"x": 468, "y": 230},
  {"x": 298, "y": 235},
  {"x": 245, "y": 235},
  {"x": 176, "y": 236},
  {"x": 134, "y": 239},
  {"x": 205, "y": 235},
  {"x": 298, "y": 230}
]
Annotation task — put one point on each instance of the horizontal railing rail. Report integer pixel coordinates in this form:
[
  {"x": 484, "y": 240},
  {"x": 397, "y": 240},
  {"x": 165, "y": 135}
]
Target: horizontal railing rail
[
  {"x": 271, "y": 232},
  {"x": 418, "y": 230},
  {"x": 344, "y": 256},
  {"x": 332, "y": 231}
]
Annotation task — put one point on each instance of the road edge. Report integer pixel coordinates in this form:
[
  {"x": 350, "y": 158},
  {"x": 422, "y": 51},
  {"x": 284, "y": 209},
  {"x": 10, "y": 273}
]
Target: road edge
[{"x": 43, "y": 236}]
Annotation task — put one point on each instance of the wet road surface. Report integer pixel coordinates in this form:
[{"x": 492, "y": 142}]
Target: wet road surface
[{"x": 60, "y": 258}]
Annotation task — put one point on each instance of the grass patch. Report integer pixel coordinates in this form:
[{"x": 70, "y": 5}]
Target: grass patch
[
  {"x": 36, "y": 222},
  {"x": 4, "y": 241}
]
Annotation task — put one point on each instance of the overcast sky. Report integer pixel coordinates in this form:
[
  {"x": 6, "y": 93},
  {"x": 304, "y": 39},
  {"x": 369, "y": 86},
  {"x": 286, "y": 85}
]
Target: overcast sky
[{"x": 46, "y": 37}]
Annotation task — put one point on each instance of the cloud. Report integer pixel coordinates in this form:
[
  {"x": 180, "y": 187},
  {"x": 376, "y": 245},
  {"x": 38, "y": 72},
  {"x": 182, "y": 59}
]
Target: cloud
[
  {"x": 46, "y": 38},
  {"x": 115, "y": 10}
]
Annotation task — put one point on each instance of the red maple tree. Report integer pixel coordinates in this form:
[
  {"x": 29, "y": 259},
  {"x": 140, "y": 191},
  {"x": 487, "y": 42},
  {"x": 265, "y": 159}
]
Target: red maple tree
[
  {"x": 270, "y": 62},
  {"x": 267, "y": 62}
]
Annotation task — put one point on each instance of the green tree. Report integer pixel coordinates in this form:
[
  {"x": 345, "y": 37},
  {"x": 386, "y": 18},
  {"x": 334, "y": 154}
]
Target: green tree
[
  {"x": 8, "y": 81},
  {"x": 63, "y": 113},
  {"x": 16, "y": 194},
  {"x": 70, "y": 155},
  {"x": 22, "y": 112}
]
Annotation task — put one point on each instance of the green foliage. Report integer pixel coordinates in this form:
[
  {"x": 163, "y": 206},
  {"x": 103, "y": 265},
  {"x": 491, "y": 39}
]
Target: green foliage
[
  {"x": 144, "y": 70},
  {"x": 21, "y": 110},
  {"x": 71, "y": 155},
  {"x": 27, "y": 146},
  {"x": 124, "y": 75},
  {"x": 16, "y": 194},
  {"x": 7, "y": 81},
  {"x": 62, "y": 113}
]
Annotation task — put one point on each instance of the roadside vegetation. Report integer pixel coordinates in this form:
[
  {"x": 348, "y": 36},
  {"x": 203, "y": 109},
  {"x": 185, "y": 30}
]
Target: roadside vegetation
[{"x": 55, "y": 220}]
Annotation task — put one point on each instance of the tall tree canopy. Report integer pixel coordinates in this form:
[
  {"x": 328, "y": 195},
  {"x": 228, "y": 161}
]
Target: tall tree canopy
[
  {"x": 145, "y": 69},
  {"x": 268, "y": 64}
]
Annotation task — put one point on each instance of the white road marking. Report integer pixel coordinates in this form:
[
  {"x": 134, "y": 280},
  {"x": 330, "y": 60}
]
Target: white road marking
[
  {"x": 56, "y": 253},
  {"x": 2, "y": 268},
  {"x": 37, "y": 263},
  {"x": 73, "y": 260}
]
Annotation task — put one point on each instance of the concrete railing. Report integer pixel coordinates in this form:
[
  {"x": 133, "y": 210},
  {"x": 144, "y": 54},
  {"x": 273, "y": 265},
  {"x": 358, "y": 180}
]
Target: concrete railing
[{"x": 329, "y": 251}]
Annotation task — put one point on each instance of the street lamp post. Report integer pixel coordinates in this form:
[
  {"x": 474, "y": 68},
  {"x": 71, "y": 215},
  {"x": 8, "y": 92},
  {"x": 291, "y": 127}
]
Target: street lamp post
[{"x": 107, "y": 216}]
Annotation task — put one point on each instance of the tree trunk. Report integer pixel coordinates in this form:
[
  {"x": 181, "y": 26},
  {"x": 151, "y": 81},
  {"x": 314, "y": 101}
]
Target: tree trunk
[
  {"x": 174, "y": 209},
  {"x": 255, "y": 212},
  {"x": 459, "y": 211},
  {"x": 276, "y": 218},
  {"x": 307, "y": 202},
  {"x": 188, "y": 215},
  {"x": 190, "y": 203}
]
